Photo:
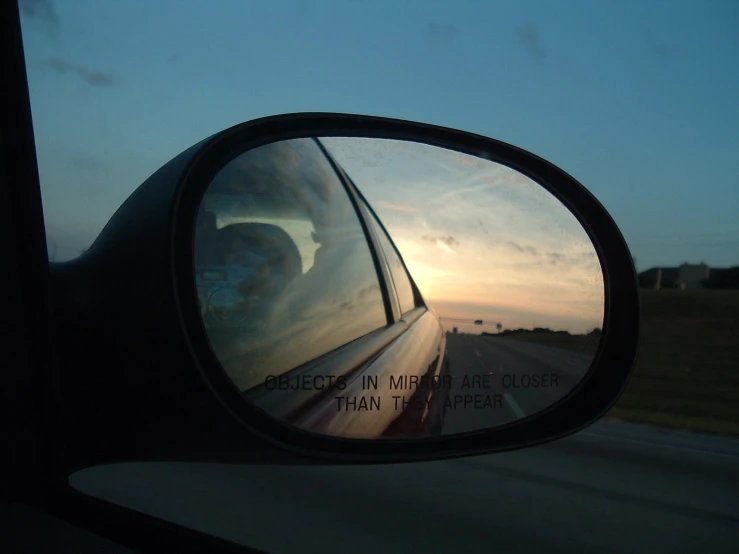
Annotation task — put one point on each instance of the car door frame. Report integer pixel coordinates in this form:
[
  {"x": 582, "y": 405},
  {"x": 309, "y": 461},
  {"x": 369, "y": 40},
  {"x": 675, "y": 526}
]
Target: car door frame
[
  {"x": 384, "y": 274},
  {"x": 365, "y": 205},
  {"x": 440, "y": 364},
  {"x": 359, "y": 354},
  {"x": 412, "y": 316}
]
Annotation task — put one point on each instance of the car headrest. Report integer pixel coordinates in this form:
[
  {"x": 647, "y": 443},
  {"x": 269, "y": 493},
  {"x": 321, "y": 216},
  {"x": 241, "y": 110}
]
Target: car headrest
[{"x": 270, "y": 241}]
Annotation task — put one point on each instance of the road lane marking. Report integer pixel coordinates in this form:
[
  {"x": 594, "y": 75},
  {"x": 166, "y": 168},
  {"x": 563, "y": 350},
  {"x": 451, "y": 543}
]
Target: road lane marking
[{"x": 514, "y": 405}]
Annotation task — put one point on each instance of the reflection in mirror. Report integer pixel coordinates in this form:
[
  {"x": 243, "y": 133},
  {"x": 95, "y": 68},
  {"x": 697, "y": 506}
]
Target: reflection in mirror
[{"x": 451, "y": 294}]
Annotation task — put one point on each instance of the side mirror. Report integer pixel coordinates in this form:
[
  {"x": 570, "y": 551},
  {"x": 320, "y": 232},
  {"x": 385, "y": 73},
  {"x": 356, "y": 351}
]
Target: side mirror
[{"x": 491, "y": 305}]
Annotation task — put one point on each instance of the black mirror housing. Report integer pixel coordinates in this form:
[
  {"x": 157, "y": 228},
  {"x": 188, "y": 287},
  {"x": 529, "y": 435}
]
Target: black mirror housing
[{"x": 139, "y": 380}]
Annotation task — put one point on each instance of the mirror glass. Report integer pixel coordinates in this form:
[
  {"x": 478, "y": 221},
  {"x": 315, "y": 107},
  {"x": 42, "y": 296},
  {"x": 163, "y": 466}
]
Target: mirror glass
[{"x": 374, "y": 288}]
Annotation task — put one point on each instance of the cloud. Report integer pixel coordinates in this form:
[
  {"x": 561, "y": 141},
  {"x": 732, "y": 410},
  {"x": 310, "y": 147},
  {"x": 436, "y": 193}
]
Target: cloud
[
  {"x": 467, "y": 160},
  {"x": 448, "y": 196},
  {"x": 43, "y": 12},
  {"x": 449, "y": 241},
  {"x": 368, "y": 290},
  {"x": 447, "y": 210},
  {"x": 396, "y": 206},
  {"x": 527, "y": 248},
  {"x": 529, "y": 36},
  {"x": 90, "y": 76},
  {"x": 441, "y": 32},
  {"x": 555, "y": 257}
]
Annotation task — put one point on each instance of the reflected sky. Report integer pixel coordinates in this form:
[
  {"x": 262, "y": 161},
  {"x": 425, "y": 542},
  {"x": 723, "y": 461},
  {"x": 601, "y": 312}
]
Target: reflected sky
[{"x": 481, "y": 240}]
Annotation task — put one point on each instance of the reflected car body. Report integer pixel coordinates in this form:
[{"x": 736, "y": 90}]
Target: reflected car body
[{"x": 322, "y": 394}]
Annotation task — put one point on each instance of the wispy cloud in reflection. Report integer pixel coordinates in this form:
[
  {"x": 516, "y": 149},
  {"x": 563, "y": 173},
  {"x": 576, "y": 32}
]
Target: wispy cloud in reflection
[
  {"x": 526, "y": 248},
  {"x": 396, "y": 206},
  {"x": 449, "y": 241}
]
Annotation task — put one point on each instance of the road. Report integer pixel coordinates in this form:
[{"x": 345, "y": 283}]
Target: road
[
  {"x": 612, "y": 488},
  {"x": 522, "y": 379}
]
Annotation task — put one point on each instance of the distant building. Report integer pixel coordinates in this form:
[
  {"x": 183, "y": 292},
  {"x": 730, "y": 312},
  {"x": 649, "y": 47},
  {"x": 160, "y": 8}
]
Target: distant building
[
  {"x": 659, "y": 278},
  {"x": 685, "y": 277},
  {"x": 723, "y": 279},
  {"x": 692, "y": 276}
]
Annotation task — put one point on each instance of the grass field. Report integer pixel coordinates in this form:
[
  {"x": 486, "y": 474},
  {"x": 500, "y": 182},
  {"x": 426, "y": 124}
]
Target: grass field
[
  {"x": 687, "y": 372},
  {"x": 581, "y": 343}
]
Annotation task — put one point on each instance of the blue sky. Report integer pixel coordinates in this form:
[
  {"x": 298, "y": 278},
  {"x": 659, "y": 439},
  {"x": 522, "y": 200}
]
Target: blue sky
[{"x": 636, "y": 100}]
